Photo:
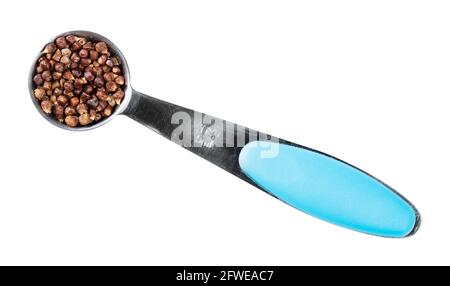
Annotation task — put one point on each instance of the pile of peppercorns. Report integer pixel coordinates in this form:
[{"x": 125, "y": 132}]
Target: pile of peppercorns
[{"x": 77, "y": 81}]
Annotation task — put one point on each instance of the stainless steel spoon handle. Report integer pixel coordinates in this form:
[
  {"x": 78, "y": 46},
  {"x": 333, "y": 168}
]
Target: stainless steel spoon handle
[
  {"x": 309, "y": 180},
  {"x": 161, "y": 117}
]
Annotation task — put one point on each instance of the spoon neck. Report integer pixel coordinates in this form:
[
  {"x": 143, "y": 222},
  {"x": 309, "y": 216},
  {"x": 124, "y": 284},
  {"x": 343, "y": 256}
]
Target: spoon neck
[{"x": 153, "y": 113}]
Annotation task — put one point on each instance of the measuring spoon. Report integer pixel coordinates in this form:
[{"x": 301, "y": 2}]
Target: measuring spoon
[{"x": 309, "y": 180}]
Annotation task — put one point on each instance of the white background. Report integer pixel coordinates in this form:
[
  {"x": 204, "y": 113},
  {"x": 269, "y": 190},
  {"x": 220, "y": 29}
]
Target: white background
[{"x": 366, "y": 81}]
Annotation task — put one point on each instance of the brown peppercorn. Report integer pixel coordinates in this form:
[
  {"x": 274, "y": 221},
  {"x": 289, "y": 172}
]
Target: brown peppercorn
[
  {"x": 89, "y": 76},
  {"x": 39, "y": 69},
  {"x": 61, "y": 42},
  {"x": 97, "y": 71},
  {"x": 111, "y": 86},
  {"x": 70, "y": 94},
  {"x": 120, "y": 80},
  {"x": 47, "y": 76},
  {"x": 84, "y": 97},
  {"x": 68, "y": 85},
  {"x": 111, "y": 101},
  {"x": 49, "y": 49},
  {"x": 55, "y": 84},
  {"x": 66, "y": 52},
  {"x": 115, "y": 61},
  {"x": 82, "y": 41},
  {"x": 74, "y": 101},
  {"x": 109, "y": 63},
  {"x": 53, "y": 99},
  {"x": 109, "y": 76},
  {"x": 56, "y": 75},
  {"x": 59, "y": 117},
  {"x": 105, "y": 69},
  {"x": 67, "y": 75},
  {"x": 70, "y": 110},
  {"x": 98, "y": 82},
  {"x": 71, "y": 120},
  {"x": 79, "y": 82},
  {"x": 101, "y": 105},
  {"x": 83, "y": 53},
  {"x": 101, "y": 47},
  {"x": 71, "y": 39},
  {"x": 101, "y": 94},
  {"x": 82, "y": 108},
  {"x": 88, "y": 88},
  {"x": 62, "y": 100},
  {"x": 57, "y": 91},
  {"x": 57, "y": 56},
  {"x": 102, "y": 59},
  {"x": 88, "y": 46},
  {"x": 75, "y": 58},
  {"x": 84, "y": 119},
  {"x": 93, "y": 102},
  {"x": 47, "y": 85},
  {"x": 118, "y": 95},
  {"x": 39, "y": 93},
  {"x": 38, "y": 80},
  {"x": 85, "y": 62},
  {"x": 92, "y": 114},
  {"x": 45, "y": 65},
  {"x": 76, "y": 72},
  {"x": 76, "y": 46},
  {"x": 116, "y": 70},
  {"x": 58, "y": 110},
  {"x": 59, "y": 67},
  {"x": 65, "y": 60},
  {"x": 107, "y": 111},
  {"x": 93, "y": 55},
  {"x": 46, "y": 106}
]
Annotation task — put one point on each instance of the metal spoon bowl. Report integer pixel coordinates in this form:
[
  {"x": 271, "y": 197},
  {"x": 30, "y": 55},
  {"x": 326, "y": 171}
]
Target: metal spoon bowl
[{"x": 125, "y": 71}]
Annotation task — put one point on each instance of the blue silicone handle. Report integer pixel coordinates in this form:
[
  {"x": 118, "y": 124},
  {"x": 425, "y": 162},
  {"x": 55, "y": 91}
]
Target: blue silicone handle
[{"x": 327, "y": 188}]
